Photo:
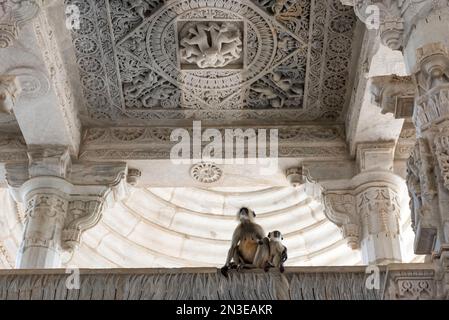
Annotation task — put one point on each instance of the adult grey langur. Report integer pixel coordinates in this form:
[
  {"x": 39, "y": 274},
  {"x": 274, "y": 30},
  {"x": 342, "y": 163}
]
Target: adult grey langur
[{"x": 245, "y": 241}]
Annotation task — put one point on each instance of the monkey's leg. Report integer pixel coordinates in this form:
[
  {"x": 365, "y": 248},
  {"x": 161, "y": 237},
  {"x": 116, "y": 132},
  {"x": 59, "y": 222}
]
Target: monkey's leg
[{"x": 281, "y": 268}]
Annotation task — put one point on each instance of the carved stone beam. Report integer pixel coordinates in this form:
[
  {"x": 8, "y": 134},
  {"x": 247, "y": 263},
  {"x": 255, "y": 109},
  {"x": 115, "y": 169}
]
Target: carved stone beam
[
  {"x": 394, "y": 94},
  {"x": 63, "y": 199},
  {"x": 14, "y": 14}
]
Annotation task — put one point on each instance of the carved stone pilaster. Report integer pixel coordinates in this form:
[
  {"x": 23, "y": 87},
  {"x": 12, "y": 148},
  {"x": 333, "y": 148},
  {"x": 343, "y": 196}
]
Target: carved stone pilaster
[
  {"x": 9, "y": 92},
  {"x": 428, "y": 166},
  {"x": 14, "y": 14},
  {"x": 432, "y": 79},
  {"x": 394, "y": 94},
  {"x": 82, "y": 214},
  {"x": 64, "y": 199},
  {"x": 379, "y": 209}
]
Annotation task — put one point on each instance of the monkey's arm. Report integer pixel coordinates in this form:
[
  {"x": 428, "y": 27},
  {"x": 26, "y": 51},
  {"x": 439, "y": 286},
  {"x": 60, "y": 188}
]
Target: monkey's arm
[
  {"x": 259, "y": 232},
  {"x": 284, "y": 255},
  {"x": 234, "y": 244}
]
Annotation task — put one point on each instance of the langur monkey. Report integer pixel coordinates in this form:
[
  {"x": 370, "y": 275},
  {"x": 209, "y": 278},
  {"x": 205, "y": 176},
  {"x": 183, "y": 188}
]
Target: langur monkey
[
  {"x": 278, "y": 252},
  {"x": 270, "y": 253},
  {"x": 245, "y": 241}
]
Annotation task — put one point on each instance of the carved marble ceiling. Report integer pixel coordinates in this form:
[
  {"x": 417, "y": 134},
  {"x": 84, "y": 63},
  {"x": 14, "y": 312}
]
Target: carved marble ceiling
[{"x": 214, "y": 60}]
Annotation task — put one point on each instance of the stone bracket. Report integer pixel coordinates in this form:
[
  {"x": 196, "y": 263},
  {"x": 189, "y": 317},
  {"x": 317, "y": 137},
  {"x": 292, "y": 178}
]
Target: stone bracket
[{"x": 394, "y": 94}]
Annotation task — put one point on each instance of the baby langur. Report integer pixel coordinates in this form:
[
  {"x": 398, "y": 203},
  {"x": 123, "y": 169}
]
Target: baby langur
[
  {"x": 270, "y": 253},
  {"x": 278, "y": 252},
  {"x": 244, "y": 241}
]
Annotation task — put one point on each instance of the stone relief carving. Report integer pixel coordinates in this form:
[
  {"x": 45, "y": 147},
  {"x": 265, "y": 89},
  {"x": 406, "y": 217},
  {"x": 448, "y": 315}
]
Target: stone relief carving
[
  {"x": 206, "y": 172},
  {"x": 45, "y": 214},
  {"x": 82, "y": 215},
  {"x": 152, "y": 59},
  {"x": 34, "y": 83},
  {"x": 9, "y": 91},
  {"x": 341, "y": 210},
  {"x": 13, "y": 15},
  {"x": 380, "y": 211},
  {"x": 432, "y": 79},
  {"x": 154, "y": 143},
  {"x": 210, "y": 44},
  {"x": 410, "y": 285},
  {"x": 422, "y": 190}
]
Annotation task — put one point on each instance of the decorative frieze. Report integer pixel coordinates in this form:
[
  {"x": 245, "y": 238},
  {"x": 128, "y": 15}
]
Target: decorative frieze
[{"x": 126, "y": 143}]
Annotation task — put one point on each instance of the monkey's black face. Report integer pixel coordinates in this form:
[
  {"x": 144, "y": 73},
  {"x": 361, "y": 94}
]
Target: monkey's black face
[
  {"x": 275, "y": 236},
  {"x": 246, "y": 214}
]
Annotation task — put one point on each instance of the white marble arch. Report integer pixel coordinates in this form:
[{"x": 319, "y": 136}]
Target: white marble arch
[{"x": 191, "y": 227}]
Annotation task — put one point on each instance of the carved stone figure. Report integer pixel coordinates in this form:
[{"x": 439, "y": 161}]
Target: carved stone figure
[
  {"x": 288, "y": 85},
  {"x": 269, "y": 94},
  {"x": 211, "y": 45}
]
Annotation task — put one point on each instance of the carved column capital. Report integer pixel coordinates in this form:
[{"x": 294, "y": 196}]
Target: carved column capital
[
  {"x": 64, "y": 198},
  {"x": 14, "y": 14},
  {"x": 394, "y": 94},
  {"x": 394, "y": 20},
  {"x": 367, "y": 210}
]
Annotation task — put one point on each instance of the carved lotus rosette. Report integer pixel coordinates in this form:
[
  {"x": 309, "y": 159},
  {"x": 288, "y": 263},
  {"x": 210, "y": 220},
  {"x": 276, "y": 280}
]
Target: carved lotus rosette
[{"x": 206, "y": 172}]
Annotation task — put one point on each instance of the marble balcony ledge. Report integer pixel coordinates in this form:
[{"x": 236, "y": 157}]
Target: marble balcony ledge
[{"x": 297, "y": 283}]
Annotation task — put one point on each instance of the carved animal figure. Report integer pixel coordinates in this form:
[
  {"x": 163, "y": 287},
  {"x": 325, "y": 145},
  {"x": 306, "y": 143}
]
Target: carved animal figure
[
  {"x": 245, "y": 241},
  {"x": 211, "y": 45},
  {"x": 269, "y": 94},
  {"x": 139, "y": 6},
  {"x": 287, "y": 84}
]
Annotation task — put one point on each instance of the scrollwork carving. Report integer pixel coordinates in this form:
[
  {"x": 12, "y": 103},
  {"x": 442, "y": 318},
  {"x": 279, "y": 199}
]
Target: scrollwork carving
[{"x": 341, "y": 210}]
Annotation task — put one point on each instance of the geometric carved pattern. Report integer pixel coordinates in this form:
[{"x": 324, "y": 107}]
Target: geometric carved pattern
[{"x": 266, "y": 61}]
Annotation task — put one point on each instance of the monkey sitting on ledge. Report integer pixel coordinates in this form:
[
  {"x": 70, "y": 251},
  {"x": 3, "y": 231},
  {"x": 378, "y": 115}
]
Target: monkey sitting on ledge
[
  {"x": 245, "y": 241},
  {"x": 270, "y": 253}
]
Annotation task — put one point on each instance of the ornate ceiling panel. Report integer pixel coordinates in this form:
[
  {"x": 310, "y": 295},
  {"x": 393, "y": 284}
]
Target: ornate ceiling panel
[{"x": 214, "y": 60}]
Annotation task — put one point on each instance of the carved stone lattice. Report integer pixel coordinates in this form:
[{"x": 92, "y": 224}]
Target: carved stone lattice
[{"x": 153, "y": 60}]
